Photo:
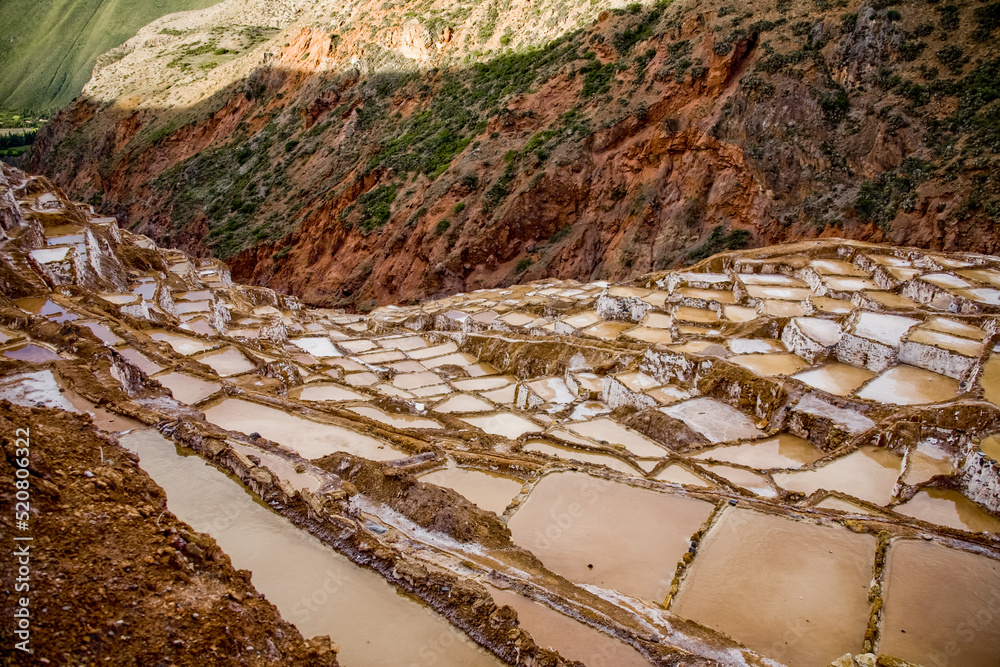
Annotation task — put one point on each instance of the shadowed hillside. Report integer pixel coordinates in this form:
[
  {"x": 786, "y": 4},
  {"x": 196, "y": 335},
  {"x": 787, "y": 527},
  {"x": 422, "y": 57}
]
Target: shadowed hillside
[{"x": 370, "y": 153}]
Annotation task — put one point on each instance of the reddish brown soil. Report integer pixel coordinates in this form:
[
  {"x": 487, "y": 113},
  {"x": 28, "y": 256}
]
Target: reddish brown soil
[{"x": 115, "y": 577}]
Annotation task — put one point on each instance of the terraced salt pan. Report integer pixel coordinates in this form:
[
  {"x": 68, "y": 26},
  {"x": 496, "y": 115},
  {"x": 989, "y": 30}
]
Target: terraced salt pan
[
  {"x": 571, "y": 638},
  {"x": 926, "y": 461},
  {"x": 946, "y": 507},
  {"x": 35, "y": 389},
  {"x": 717, "y": 421},
  {"x": 454, "y": 359},
  {"x": 779, "y": 293},
  {"x": 886, "y": 329},
  {"x": 363, "y": 379},
  {"x": 870, "y": 473},
  {"x": 183, "y": 345},
  {"x": 607, "y": 330},
  {"x": 908, "y": 385},
  {"x": 657, "y": 321},
  {"x": 945, "y": 280},
  {"x": 831, "y": 305},
  {"x": 836, "y": 267},
  {"x": 569, "y": 453},
  {"x": 324, "y": 593},
  {"x": 755, "y": 345},
  {"x": 414, "y": 380},
  {"x": 739, "y": 313},
  {"x": 964, "y": 346},
  {"x": 767, "y": 365},
  {"x": 940, "y": 605},
  {"x": 325, "y": 392},
  {"x": 38, "y": 306},
  {"x": 310, "y": 439},
  {"x": 552, "y": 390},
  {"x": 697, "y": 315},
  {"x": 572, "y": 520},
  {"x": 836, "y": 378},
  {"x": 395, "y": 420},
  {"x": 320, "y": 347},
  {"x": 432, "y": 391},
  {"x": 770, "y": 279},
  {"x": 955, "y": 328},
  {"x": 849, "y": 284},
  {"x": 605, "y": 430},
  {"x": 464, "y": 403},
  {"x": 745, "y": 479},
  {"x": 776, "y": 308},
  {"x": 139, "y": 361},
  {"x": 356, "y": 346},
  {"x": 489, "y": 491},
  {"x": 794, "y": 591},
  {"x": 227, "y": 362},
  {"x": 186, "y": 388},
  {"x": 675, "y": 473},
  {"x": 782, "y": 451},
  {"x": 382, "y": 357},
  {"x": 650, "y": 335},
  {"x": 32, "y": 353},
  {"x": 890, "y": 300},
  {"x": 435, "y": 351},
  {"x": 506, "y": 424}
]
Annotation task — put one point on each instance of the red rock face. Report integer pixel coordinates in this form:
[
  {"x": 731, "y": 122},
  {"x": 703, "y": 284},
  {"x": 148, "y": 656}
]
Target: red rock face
[{"x": 749, "y": 135}]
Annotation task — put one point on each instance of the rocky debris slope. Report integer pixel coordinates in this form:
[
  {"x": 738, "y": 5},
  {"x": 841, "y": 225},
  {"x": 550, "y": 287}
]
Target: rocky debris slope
[
  {"x": 361, "y": 153},
  {"x": 569, "y": 465}
]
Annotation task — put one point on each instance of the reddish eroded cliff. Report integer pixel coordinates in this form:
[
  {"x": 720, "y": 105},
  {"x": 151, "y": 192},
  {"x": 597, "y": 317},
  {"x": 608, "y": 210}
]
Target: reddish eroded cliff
[{"x": 351, "y": 165}]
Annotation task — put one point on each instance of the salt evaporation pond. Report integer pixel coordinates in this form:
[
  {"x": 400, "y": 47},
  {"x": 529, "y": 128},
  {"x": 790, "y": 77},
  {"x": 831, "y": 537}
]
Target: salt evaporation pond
[{"x": 322, "y": 592}]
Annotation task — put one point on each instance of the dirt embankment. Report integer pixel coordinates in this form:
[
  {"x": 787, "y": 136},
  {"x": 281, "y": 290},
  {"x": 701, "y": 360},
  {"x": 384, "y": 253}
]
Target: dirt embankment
[{"x": 115, "y": 577}]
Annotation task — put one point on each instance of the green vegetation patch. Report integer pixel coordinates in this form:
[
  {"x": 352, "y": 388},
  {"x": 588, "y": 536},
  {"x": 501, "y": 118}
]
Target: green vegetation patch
[
  {"x": 48, "y": 49},
  {"x": 375, "y": 207},
  {"x": 720, "y": 240}
]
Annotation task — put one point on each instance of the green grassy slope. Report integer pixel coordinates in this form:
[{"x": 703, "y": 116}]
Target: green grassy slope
[{"x": 48, "y": 47}]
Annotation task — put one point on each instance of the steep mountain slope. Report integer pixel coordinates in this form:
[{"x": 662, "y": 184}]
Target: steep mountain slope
[
  {"x": 48, "y": 49},
  {"x": 378, "y": 152}
]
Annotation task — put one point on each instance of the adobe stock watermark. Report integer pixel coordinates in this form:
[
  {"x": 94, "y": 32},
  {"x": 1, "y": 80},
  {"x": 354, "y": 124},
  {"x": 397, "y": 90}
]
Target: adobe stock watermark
[{"x": 21, "y": 616}]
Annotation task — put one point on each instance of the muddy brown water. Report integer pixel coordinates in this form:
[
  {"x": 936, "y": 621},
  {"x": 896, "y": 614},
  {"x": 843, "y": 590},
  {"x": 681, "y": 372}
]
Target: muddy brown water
[
  {"x": 949, "y": 508},
  {"x": 31, "y": 353},
  {"x": 791, "y": 590},
  {"x": 226, "y": 362},
  {"x": 571, "y": 638},
  {"x": 782, "y": 451},
  {"x": 187, "y": 389},
  {"x": 325, "y": 392},
  {"x": 323, "y": 593},
  {"x": 907, "y": 385},
  {"x": 869, "y": 473},
  {"x": 490, "y": 491},
  {"x": 569, "y": 453},
  {"x": 836, "y": 378},
  {"x": 611, "y": 535},
  {"x": 103, "y": 333},
  {"x": 310, "y": 439},
  {"x": 942, "y": 606},
  {"x": 181, "y": 344}
]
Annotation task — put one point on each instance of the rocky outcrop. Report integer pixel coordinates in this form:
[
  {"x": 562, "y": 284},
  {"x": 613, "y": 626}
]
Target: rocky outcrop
[{"x": 355, "y": 166}]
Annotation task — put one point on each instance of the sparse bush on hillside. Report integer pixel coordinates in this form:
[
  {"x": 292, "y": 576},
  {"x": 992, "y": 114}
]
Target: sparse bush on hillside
[
  {"x": 720, "y": 240},
  {"x": 880, "y": 199},
  {"x": 375, "y": 207}
]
